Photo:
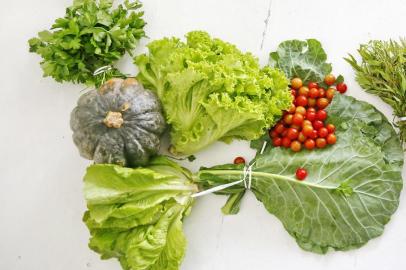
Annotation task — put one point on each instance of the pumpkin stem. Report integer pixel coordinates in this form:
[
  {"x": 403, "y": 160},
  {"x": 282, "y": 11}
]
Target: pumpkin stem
[{"x": 113, "y": 120}]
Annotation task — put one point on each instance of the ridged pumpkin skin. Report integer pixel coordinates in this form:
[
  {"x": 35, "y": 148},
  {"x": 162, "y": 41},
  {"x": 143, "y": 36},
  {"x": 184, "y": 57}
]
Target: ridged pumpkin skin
[{"x": 119, "y": 123}]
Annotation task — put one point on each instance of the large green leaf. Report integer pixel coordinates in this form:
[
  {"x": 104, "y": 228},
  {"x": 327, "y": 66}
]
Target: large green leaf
[
  {"x": 303, "y": 59},
  {"x": 136, "y": 215},
  {"x": 352, "y": 187}
]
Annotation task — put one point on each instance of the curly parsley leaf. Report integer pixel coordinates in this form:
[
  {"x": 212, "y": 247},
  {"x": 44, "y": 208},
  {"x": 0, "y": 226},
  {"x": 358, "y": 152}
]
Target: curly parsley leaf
[{"x": 92, "y": 34}]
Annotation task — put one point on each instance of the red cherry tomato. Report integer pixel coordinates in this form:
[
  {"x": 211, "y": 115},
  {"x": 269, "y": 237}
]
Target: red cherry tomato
[
  {"x": 295, "y": 146},
  {"x": 321, "y": 115},
  {"x": 322, "y": 92},
  {"x": 301, "y": 174},
  {"x": 279, "y": 128},
  {"x": 331, "y": 138},
  {"x": 310, "y": 144},
  {"x": 313, "y": 93},
  {"x": 292, "y": 133},
  {"x": 311, "y": 110},
  {"x": 311, "y": 102},
  {"x": 331, "y": 128},
  {"x": 314, "y": 134},
  {"x": 293, "y": 93},
  {"x": 296, "y": 83},
  {"x": 342, "y": 88},
  {"x": 286, "y": 142},
  {"x": 287, "y": 119},
  {"x": 308, "y": 130},
  {"x": 239, "y": 160},
  {"x": 330, "y": 79},
  {"x": 321, "y": 142},
  {"x": 301, "y": 138},
  {"x": 277, "y": 141},
  {"x": 301, "y": 110},
  {"x": 322, "y": 103},
  {"x": 311, "y": 116},
  {"x": 301, "y": 101},
  {"x": 303, "y": 91},
  {"x": 322, "y": 132},
  {"x": 318, "y": 124},
  {"x": 292, "y": 109},
  {"x": 312, "y": 85},
  {"x": 297, "y": 119},
  {"x": 273, "y": 133}
]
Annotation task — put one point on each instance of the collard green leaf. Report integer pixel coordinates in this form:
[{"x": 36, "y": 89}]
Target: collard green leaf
[
  {"x": 303, "y": 59},
  {"x": 136, "y": 215},
  {"x": 352, "y": 187}
]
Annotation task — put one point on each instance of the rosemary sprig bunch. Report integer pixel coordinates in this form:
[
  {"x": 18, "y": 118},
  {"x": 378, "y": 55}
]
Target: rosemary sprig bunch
[{"x": 382, "y": 72}]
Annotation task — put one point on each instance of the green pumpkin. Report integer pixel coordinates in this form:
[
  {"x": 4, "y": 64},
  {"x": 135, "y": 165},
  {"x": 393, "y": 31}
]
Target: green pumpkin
[{"x": 120, "y": 123}]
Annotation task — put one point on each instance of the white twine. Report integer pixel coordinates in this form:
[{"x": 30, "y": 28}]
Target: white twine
[
  {"x": 246, "y": 179},
  {"x": 402, "y": 118},
  {"x": 101, "y": 70}
]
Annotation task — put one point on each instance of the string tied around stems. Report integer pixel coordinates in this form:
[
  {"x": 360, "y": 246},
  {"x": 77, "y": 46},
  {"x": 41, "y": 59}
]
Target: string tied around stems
[
  {"x": 102, "y": 70},
  {"x": 246, "y": 179}
]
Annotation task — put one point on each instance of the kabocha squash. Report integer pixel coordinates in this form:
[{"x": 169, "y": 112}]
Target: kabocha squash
[{"x": 119, "y": 123}]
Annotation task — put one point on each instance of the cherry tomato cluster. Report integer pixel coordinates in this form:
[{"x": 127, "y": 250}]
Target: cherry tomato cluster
[{"x": 304, "y": 123}]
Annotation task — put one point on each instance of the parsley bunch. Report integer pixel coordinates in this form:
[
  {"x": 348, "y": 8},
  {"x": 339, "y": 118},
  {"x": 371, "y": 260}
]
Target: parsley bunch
[{"x": 91, "y": 35}]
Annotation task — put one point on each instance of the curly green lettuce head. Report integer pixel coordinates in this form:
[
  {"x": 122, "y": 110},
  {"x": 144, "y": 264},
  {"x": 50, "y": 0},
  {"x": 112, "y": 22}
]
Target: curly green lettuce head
[{"x": 211, "y": 91}]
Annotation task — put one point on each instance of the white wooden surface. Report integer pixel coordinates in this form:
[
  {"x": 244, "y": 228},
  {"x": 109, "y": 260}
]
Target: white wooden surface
[{"x": 41, "y": 202}]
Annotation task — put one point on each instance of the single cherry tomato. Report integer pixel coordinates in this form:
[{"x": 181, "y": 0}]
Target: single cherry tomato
[
  {"x": 301, "y": 137},
  {"x": 292, "y": 133},
  {"x": 342, "y": 88},
  {"x": 277, "y": 141},
  {"x": 292, "y": 109},
  {"x": 321, "y": 115},
  {"x": 287, "y": 119},
  {"x": 322, "y": 103},
  {"x": 301, "y": 101},
  {"x": 301, "y": 110},
  {"x": 307, "y": 122},
  {"x": 330, "y": 93},
  {"x": 331, "y": 128},
  {"x": 321, "y": 142},
  {"x": 286, "y": 142},
  {"x": 322, "y": 92},
  {"x": 309, "y": 144},
  {"x": 318, "y": 124},
  {"x": 308, "y": 130},
  {"x": 303, "y": 91},
  {"x": 283, "y": 134},
  {"x": 301, "y": 174},
  {"x": 313, "y": 93},
  {"x": 293, "y": 92},
  {"x": 322, "y": 132},
  {"x": 314, "y": 134},
  {"x": 331, "y": 138},
  {"x": 239, "y": 160},
  {"x": 297, "y": 119},
  {"x": 273, "y": 133},
  {"x": 312, "y": 85},
  {"x": 330, "y": 79},
  {"x": 296, "y": 83},
  {"x": 311, "y": 102},
  {"x": 311, "y": 116},
  {"x": 295, "y": 146},
  {"x": 279, "y": 128}
]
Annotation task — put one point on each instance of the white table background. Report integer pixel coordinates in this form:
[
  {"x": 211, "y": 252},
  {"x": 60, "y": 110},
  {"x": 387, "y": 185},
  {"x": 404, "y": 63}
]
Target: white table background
[{"x": 41, "y": 201}]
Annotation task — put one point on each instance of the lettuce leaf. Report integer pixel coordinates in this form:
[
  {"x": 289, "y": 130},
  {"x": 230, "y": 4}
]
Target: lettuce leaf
[
  {"x": 351, "y": 190},
  {"x": 136, "y": 215},
  {"x": 211, "y": 91},
  {"x": 303, "y": 59}
]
